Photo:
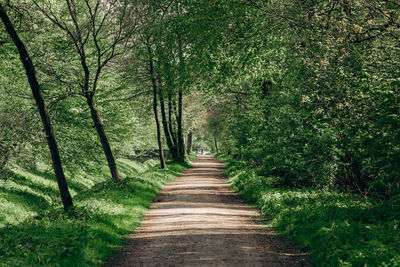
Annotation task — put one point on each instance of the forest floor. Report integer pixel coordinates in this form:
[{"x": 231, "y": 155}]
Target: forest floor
[{"x": 199, "y": 220}]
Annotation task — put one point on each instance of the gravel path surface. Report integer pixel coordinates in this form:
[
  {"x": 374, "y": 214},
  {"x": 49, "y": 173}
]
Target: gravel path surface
[{"x": 198, "y": 220}]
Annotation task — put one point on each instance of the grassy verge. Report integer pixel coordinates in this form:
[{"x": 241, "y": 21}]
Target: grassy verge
[
  {"x": 339, "y": 229},
  {"x": 34, "y": 230}
]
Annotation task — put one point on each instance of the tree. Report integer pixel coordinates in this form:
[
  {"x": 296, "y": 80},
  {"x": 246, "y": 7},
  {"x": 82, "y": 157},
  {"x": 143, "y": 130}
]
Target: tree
[
  {"x": 189, "y": 142},
  {"x": 99, "y": 33},
  {"x": 155, "y": 101},
  {"x": 36, "y": 92},
  {"x": 157, "y": 65}
]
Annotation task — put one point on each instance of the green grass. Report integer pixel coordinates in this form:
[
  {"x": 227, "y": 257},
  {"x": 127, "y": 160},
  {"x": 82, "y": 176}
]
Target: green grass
[
  {"x": 339, "y": 229},
  {"x": 36, "y": 231}
]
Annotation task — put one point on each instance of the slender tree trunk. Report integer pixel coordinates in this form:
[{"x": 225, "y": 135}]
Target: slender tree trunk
[
  {"x": 161, "y": 93},
  {"x": 181, "y": 143},
  {"x": 189, "y": 143},
  {"x": 171, "y": 127},
  {"x": 160, "y": 149},
  {"x": 171, "y": 109},
  {"x": 154, "y": 83},
  {"x": 168, "y": 137},
  {"x": 98, "y": 124},
  {"x": 216, "y": 144},
  {"x": 37, "y": 94}
]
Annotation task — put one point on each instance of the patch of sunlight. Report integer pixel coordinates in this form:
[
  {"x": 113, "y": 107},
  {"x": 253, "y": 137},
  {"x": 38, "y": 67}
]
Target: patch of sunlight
[
  {"x": 36, "y": 178},
  {"x": 136, "y": 165},
  {"x": 12, "y": 186},
  {"x": 41, "y": 166},
  {"x": 139, "y": 209},
  {"x": 110, "y": 208},
  {"x": 103, "y": 206},
  {"x": 42, "y": 181},
  {"x": 14, "y": 213},
  {"x": 86, "y": 181},
  {"x": 105, "y": 172},
  {"x": 150, "y": 163},
  {"x": 268, "y": 196}
]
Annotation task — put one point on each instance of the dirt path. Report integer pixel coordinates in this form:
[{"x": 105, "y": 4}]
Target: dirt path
[{"x": 198, "y": 220}]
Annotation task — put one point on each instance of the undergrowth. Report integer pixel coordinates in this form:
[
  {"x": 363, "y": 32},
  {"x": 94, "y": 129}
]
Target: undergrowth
[
  {"x": 339, "y": 229},
  {"x": 36, "y": 231}
]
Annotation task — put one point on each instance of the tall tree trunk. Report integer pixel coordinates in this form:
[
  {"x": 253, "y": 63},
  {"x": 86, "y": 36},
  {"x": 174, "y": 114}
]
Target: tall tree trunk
[
  {"x": 181, "y": 143},
  {"x": 189, "y": 143},
  {"x": 154, "y": 83},
  {"x": 37, "y": 94},
  {"x": 216, "y": 144},
  {"x": 175, "y": 125},
  {"x": 167, "y": 134},
  {"x": 172, "y": 128},
  {"x": 98, "y": 124},
  {"x": 160, "y": 149}
]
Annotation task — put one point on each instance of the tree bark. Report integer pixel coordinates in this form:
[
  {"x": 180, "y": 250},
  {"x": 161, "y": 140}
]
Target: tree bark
[
  {"x": 216, "y": 144},
  {"x": 37, "y": 94},
  {"x": 98, "y": 124},
  {"x": 172, "y": 128},
  {"x": 155, "y": 109},
  {"x": 167, "y": 133},
  {"x": 160, "y": 149},
  {"x": 181, "y": 143},
  {"x": 189, "y": 143}
]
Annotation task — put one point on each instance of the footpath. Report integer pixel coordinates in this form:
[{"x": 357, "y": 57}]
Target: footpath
[{"x": 198, "y": 220}]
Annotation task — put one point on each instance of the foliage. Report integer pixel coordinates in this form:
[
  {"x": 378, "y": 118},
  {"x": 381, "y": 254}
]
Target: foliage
[
  {"x": 312, "y": 95},
  {"x": 339, "y": 229}
]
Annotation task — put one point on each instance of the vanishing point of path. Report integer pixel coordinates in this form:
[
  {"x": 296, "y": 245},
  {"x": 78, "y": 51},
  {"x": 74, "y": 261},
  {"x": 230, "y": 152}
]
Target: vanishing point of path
[{"x": 198, "y": 220}]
